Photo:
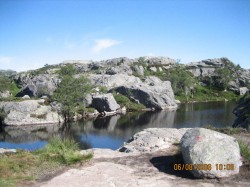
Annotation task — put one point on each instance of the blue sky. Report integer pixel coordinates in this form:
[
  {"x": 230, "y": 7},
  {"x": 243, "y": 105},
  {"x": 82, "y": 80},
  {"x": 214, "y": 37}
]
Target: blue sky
[{"x": 38, "y": 32}]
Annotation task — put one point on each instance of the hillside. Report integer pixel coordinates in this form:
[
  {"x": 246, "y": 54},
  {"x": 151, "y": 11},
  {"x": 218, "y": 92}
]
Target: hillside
[{"x": 189, "y": 81}]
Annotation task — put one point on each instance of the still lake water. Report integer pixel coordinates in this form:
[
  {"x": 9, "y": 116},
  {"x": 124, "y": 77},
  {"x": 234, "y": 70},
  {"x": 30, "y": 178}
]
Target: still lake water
[{"x": 111, "y": 132}]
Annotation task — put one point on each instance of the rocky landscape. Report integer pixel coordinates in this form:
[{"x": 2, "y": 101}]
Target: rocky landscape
[
  {"x": 147, "y": 81},
  {"x": 151, "y": 157}
]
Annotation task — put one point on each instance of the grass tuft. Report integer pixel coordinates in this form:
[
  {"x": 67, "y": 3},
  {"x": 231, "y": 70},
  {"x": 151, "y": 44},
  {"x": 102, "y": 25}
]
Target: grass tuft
[
  {"x": 125, "y": 101},
  {"x": 244, "y": 151},
  {"x": 62, "y": 151},
  {"x": 25, "y": 166}
]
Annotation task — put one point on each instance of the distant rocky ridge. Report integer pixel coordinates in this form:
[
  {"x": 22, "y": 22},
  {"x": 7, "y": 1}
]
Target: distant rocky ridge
[
  {"x": 7, "y": 72},
  {"x": 45, "y": 80},
  {"x": 135, "y": 78}
]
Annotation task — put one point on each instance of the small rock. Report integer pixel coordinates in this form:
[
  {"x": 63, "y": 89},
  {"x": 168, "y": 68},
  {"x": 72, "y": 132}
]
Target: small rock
[
  {"x": 243, "y": 90},
  {"x": 154, "y": 69},
  {"x": 2, "y": 150},
  {"x": 26, "y": 97}
]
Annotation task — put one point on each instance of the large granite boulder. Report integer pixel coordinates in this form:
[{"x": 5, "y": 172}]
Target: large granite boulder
[
  {"x": 105, "y": 103},
  {"x": 201, "y": 147},
  {"x": 36, "y": 85},
  {"x": 152, "y": 139},
  {"x": 29, "y": 112},
  {"x": 153, "y": 93}
]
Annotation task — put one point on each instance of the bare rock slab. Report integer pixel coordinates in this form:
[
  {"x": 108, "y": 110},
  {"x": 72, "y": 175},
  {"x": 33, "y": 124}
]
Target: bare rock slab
[
  {"x": 201, "y": 146},
  {"x": 153, "y": 139},
  {"x": 29, "y": 112}
]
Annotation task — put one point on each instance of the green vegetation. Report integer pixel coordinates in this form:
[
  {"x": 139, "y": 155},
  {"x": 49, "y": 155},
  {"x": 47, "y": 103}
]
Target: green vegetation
[
  {"x": 25, "y": 166},
  {"x": 71, "y": 91},
  {"x": 223, "y": 77},
  {"x": 125, "y": 101},
  {"x": 62, "y": 151},
  {"x": 206, "y": 93},
  {"x": 186, "y": 87},
  {"x": 7, "y": 84},
  {"x": 103, "y": 89},
  {"x": 244, "y": 151},
  {"x": 227, "y": 130},
  {"x": 182, "y": 81}
]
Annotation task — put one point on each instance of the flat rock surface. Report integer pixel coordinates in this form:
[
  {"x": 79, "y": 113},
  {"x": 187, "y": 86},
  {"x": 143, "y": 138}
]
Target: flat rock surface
[
  {"x": 153, "y": 139},
  {"x": 110, "y": 168}
]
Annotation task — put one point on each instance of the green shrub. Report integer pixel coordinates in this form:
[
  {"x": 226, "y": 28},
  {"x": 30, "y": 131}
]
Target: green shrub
[
  {"x": 244, "y": 151},
  {"x": 90, "y": 110},
  {"x": 71, "y": 91},
  {"x": 7, "y": 84},
  {"x": 125, "y": 101},
  {"x": 62, "y": 151},
  {"x": 24, "y": 166}
]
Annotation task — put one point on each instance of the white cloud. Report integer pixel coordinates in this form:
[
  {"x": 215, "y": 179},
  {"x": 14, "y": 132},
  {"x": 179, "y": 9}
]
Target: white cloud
[
  {"x": 5, "y": 59},
  {"x": 101, "y": 44}
]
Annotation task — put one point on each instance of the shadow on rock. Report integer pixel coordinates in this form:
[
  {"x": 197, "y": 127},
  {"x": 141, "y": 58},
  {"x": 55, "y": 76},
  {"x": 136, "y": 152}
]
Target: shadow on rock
[{"x": 166, "y": 164}]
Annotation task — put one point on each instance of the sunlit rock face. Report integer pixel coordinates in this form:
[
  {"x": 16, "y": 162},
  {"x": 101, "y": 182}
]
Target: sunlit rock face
[
  {"x": 29, "y": 112},
  {"x": 202, "y": 147}
]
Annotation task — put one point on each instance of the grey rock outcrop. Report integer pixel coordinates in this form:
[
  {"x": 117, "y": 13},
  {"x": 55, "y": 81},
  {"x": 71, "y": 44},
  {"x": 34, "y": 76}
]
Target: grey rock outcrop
[
  {"x": 243, "y": 90},
  {"x": 153, "y": 93},
  {"x": 36, "y": 85},
  {"x": 151, "y": 60},
  {"x": 203, "y": 146},
  {"x": 112, "y": 81},
  {"x": 29, "y": 112},
  {"x": 105, "y": 102},
  {"x": 205, "y": 67},
  {"x": 154, "y": 69},
  {"x": 152, "y": 139},
  {"x": 138, "y": 69}
]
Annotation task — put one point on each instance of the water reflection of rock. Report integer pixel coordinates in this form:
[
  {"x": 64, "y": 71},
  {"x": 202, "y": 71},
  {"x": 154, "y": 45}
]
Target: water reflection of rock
[
  {"x": 28, "y": 133},
  {"x": 124, "y": 126}
]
